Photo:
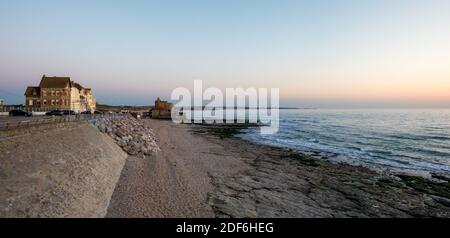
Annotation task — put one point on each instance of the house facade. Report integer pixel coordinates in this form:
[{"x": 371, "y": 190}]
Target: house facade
[{"x": 59, "y": 93}]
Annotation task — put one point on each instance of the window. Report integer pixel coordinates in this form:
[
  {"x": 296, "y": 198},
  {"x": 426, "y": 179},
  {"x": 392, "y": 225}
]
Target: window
[
  {"x": 53, "y": 102},
  {"x": 45, "y": 93},
  {"x": 45, "y": 102},
  {"x": 53, "y": 93},
  {"x": 30, "y": 102},
  {"x": 57, "y": 102},
  {"x": 57, "y": 93}
]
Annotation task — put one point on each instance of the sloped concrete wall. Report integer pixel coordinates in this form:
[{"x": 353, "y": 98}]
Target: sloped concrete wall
[{"x": 60, "y": 172}]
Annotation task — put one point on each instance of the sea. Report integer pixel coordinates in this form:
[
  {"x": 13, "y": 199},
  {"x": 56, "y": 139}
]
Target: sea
[
  {"x": 414, "y": 140},
  {"x": 407, "y": 140}
]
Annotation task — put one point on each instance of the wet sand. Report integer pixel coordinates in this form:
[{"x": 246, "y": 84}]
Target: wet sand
[{"x": 207, "y": 173}]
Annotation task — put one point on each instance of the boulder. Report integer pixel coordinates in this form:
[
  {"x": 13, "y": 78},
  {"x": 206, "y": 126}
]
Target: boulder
[{"x": 131, "y": 135}]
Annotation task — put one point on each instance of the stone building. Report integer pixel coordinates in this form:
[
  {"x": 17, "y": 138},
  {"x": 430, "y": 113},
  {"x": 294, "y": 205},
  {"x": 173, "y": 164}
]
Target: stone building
[
  {"x": 59, "y": 93},
  {"x": 163, "y": 105},
  {"x": 162, "y": 110}
]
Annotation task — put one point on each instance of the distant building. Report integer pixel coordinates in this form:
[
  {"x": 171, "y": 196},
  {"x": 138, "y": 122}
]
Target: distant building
[
  {"x": 59, "y": 93},
  {"x": 162, "y": 110},
  {"x": 2, "y": 103},
  {"x": 163, "y": 105}
]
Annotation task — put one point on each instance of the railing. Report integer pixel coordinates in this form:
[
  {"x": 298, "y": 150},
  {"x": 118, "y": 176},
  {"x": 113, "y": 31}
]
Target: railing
[
  {"x": 30, "y": 109},
  {"x": 15, "y": 123}
]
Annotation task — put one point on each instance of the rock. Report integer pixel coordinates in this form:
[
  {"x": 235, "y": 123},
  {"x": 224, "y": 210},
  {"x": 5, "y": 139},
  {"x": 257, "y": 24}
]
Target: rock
[
  {"x": 441, "y": 176},
  {"x": 121, "y": 143},
  {"x": 121, "y": 133},
  {"x": 132, "y": 135},
  {"x": 102, "y": 128}
]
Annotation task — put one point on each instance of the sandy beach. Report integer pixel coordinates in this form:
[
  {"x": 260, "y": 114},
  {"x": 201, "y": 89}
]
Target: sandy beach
[
  {"x": 205, "y": 172},
  {"x": 176, "y": 181}
]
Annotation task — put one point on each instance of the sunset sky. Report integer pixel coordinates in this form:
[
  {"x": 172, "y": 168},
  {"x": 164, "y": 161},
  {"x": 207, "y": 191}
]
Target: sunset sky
[{"x": 327, "y": 53}]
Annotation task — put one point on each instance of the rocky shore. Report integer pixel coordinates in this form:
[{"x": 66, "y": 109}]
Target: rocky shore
[
  {"x": 132, "y": 135},
  {"x": 285, "y": 183},
  {"x": 206, "y": 172}
]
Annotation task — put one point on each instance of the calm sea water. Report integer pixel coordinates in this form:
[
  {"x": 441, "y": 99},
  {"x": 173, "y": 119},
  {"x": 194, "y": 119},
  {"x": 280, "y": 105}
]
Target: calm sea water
[{"x": 416, "y": 140}]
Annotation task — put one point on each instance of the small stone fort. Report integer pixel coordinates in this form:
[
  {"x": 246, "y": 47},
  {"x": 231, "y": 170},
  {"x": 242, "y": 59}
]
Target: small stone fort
[{"x": 162, "y": 109}]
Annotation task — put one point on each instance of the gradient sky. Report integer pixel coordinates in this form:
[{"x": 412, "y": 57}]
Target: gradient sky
[{"x": 328, "y": 53}]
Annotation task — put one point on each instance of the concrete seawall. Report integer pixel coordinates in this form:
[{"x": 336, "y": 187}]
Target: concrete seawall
[{"x": 69, "y": 171}]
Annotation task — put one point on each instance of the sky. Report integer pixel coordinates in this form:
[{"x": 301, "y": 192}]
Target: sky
[{"x": 319, "y": 53}]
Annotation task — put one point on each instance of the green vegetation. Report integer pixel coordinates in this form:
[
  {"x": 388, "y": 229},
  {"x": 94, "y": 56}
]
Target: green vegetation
[
  {"x": 223, "y": 131},
  {"x": 116, "y": 108},
  {"x": 427, "y": 186},
  {"x": 389, "y": 182},
  {"x": 304, "y": 159}
]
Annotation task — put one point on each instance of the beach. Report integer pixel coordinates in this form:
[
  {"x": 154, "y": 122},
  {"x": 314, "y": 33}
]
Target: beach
[
  {"x": 207, "y": 172},
  {"x": 225, "y": 109},
  {"x": 176, "y": 181}
]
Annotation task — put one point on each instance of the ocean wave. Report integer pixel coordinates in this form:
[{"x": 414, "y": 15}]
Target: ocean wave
[{"x": 375, "y": 137}]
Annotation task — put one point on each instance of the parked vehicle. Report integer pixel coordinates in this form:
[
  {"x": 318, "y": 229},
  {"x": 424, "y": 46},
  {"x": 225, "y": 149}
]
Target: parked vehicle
[
  {"x": 15, "y": 113},
  {"x": 91, "y": 112},
  {"x": 146, "y": 115},
  {"x": 55, "y": 113},
  {"x": 69, "y": 112}
]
